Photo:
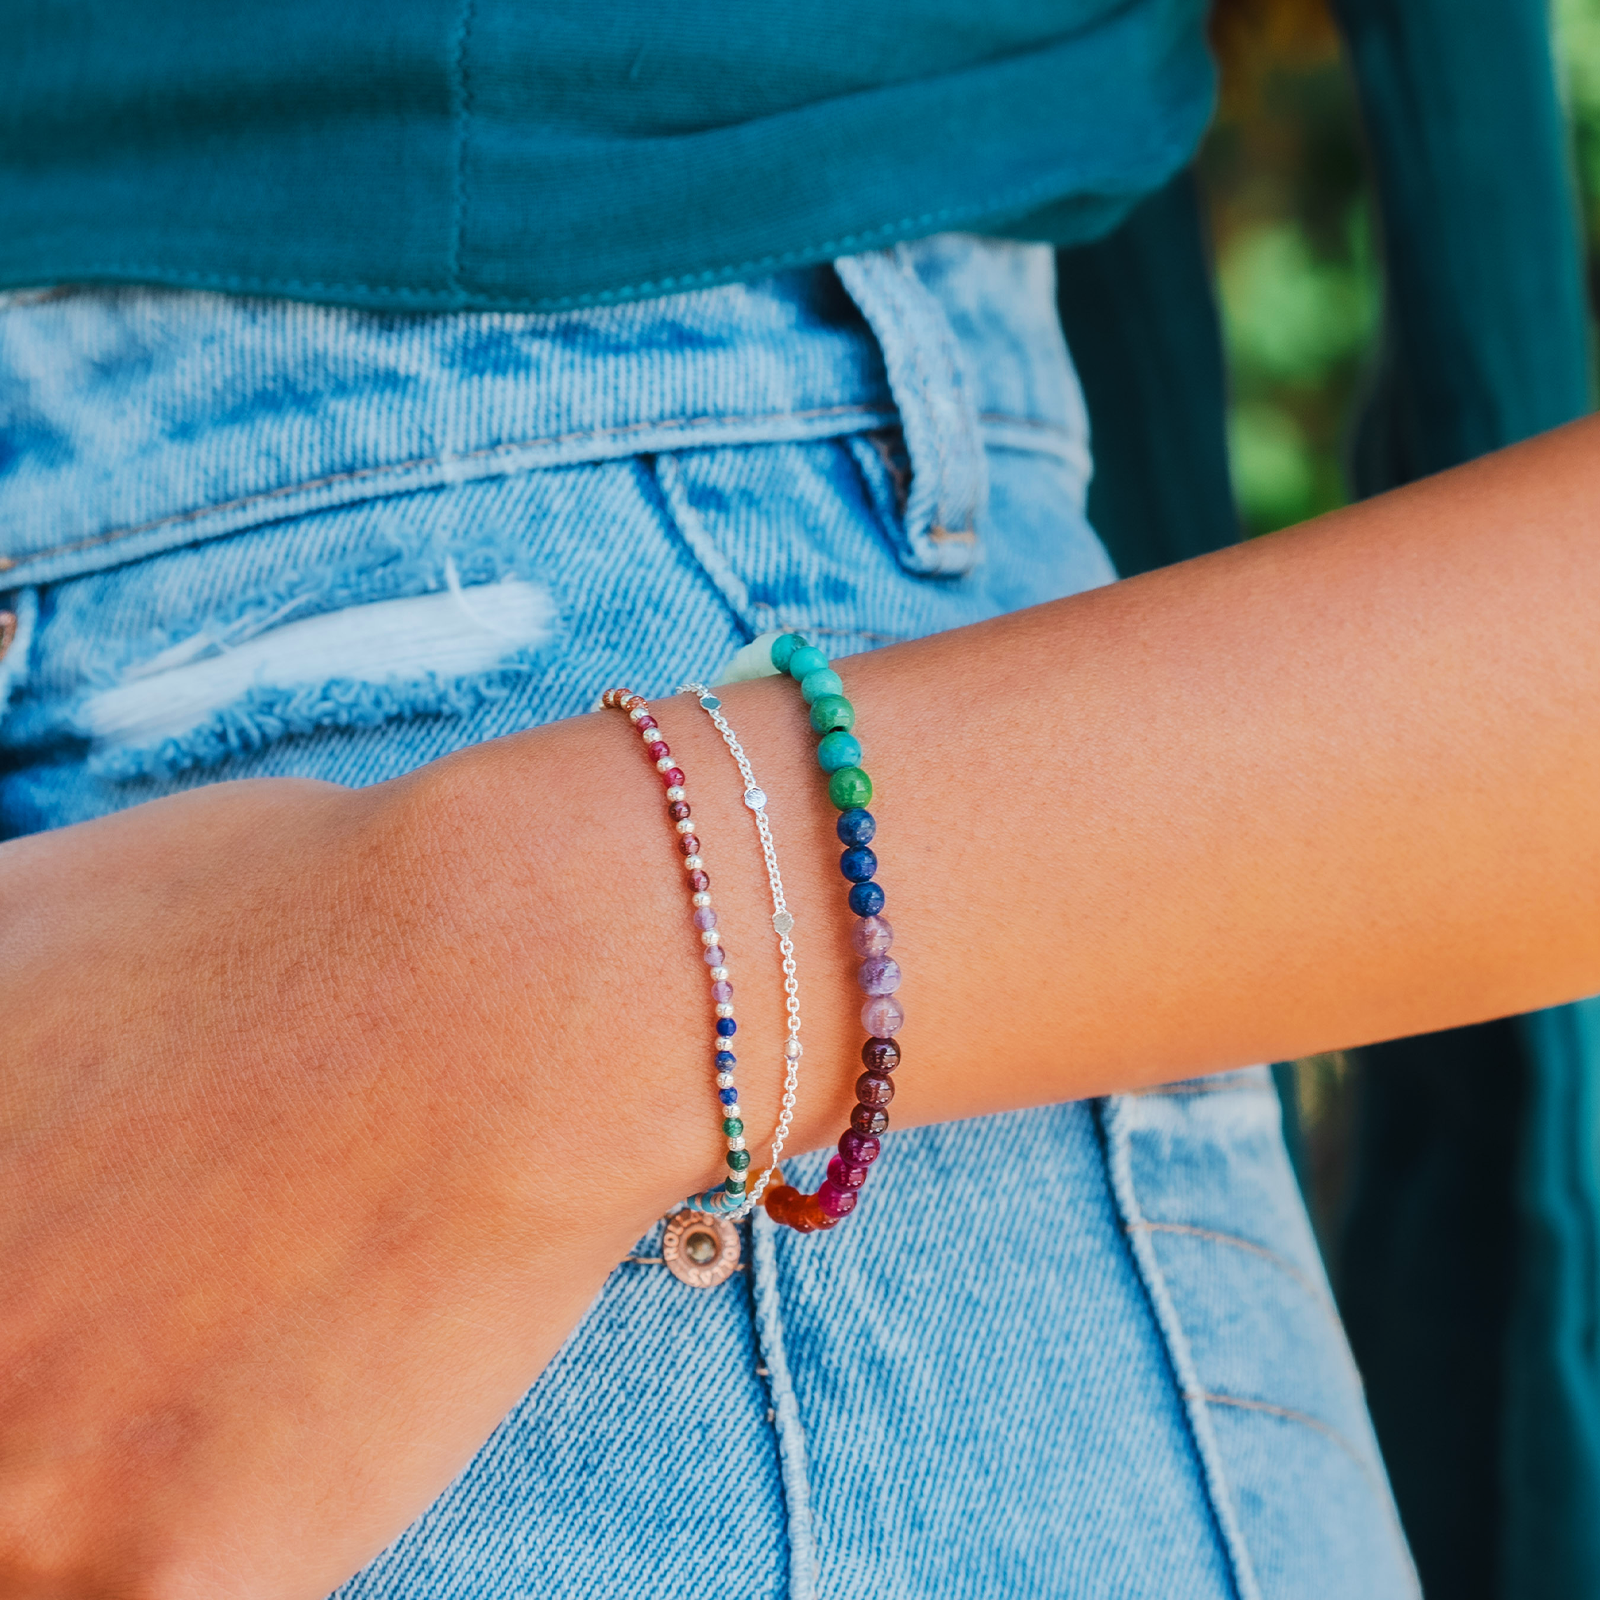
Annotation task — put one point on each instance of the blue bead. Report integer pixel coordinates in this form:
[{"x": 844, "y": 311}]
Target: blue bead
[
  {"x": 729, "y": 1097},
  {"x": 838, "y": 749},
  {"x": 727, "y": 1027},
  {"x": 806, "y": 659},
  {"x": 726, "y": 1060},
  {"x": 856, "y": 826},
  {"x": 858, "y": 864},
  {"x": 823, "y": 681},
  {"x": 866, "y": 899},
  {"x": 783, "y": 647}
]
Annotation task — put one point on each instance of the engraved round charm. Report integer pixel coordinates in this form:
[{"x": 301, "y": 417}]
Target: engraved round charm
[
  {"x": 782, "y": 923},
  {"x": 699, "y": 1249},
  {"x": 755, "y": 798}
]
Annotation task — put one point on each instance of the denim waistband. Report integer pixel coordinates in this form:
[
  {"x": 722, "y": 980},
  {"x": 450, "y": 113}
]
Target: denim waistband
[{"x": 136, "y": 420}]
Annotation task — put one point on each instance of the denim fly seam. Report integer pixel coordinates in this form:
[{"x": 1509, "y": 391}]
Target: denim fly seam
[
  {"x": 14, "y": 664},
  {"x": 1114, "y": 1122}
]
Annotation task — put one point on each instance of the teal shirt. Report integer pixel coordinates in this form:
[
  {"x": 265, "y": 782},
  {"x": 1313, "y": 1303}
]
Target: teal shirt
[{"x": 507, "y": 154}]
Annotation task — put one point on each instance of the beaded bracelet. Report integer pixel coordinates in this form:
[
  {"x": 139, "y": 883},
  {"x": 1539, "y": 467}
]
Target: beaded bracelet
[
  {"x": 717, "y": 1201},
  {"x": 849, "y": 789},
  {"x": 705, "y": 919}
]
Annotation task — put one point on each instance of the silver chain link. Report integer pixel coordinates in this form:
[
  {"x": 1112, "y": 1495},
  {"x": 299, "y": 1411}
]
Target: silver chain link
[{"x": 755, "y": 797}]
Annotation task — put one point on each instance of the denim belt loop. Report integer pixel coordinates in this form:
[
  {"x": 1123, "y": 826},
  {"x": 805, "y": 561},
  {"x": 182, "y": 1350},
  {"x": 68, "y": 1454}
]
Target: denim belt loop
[{"x": 949, "y": 475}]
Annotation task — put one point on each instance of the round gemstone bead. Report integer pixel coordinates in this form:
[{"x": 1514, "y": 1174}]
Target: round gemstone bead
[
  {"x": 881, "y": 1056},
  {"x": 783, "y": 647},
  {"x": 645, "y": 723},
  {"x": 674, "y": 777},
  {"x": 866, "y": 899},
  {"x": 869, "y": 1119},
  {"x": 727, "y": 1027},
  {"x": 722, "y": 991},
  {"x": 705, "y": 917},
  {"x": 679, "y": 810},
  {"x": 823, "y": 681},
  {"x": 843, "y": 1176},
  {"x": 872, "y": 1090},
  {"x": 858, "y": 1149},
  {"x": 858, "y": 863},
  {"x": 849, "y": 788},
  {"x": 805, "y": 660},
  {"x": 659, "y": 751},
  {"x": 689, "y": 844},
  {"x": 832, "y": 711},
  {"x": 838, "y": 749},
  {"x": 713, "y": 955},
  {"x": 879, "y": 975},
  {"x": 738, "y": 1160},
  {"x": 872, "y": 936},
  {"x": 729, "y": 1097},
  {"x": 699, "y": 882},
  {"x": 732, "y": 1127},
  {"x": 835, "y": 1201},
  {"x": 882, "y": 1015},
  {"x": 856, "y": 826}
]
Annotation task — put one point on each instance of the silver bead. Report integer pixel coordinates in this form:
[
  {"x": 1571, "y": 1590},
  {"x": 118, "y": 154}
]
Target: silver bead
[
  {"x": 724, "y": 1080},
  {"x": 710, "y": 936},
  {"x": 665, "y": 764},
  {"x": 736, "y": 1143},
  {"x": 700, "y": 900},
  {"x": 675, "y": 792},
  {"x": 724, "y": 1008},
  {"x": 719, "y": 974},
  {"x": 692, "y": 863},
  {"x": 732, "y": 1111},
  {"x": 685, "y": 825},
  {"x": 793, "y": 1049},
  {"x": 638, "y": 712}
]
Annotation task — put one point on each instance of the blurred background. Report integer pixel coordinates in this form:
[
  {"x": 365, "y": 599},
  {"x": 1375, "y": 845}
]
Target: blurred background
[{"x": 1286, "y": 183}]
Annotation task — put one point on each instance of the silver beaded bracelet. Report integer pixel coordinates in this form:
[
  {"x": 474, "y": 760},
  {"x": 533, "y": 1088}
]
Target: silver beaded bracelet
[{"x": 782, "y": 924}]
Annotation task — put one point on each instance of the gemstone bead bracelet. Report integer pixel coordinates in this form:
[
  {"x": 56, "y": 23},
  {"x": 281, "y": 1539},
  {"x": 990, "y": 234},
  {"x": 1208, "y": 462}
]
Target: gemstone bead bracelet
[{"x": 849, "y": 789}]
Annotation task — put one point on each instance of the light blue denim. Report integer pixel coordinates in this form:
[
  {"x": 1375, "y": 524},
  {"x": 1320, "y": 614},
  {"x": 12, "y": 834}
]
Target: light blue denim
[{"x": 1123, "y": 1376}]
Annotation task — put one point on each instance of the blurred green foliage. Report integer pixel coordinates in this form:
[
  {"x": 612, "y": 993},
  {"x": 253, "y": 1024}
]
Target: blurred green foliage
[{"x": 1297, "y": 260}]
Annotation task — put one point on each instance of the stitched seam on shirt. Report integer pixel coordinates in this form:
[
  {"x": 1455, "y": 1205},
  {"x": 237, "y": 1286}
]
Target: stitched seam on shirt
[
  {"x": 416, "y": 463},
  {"x": 1288, "y": 1414},
  {"x": 1238, "y": 1243},
  {"x": 463, "y": 120}
]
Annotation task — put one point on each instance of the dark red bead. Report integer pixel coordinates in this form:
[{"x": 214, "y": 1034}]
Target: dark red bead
[
  {"x": 658, "y": 751},
  {"x": 869, "y": 1119},
  {"x": 689, "y": 844},
  {"x": 699, "y": 882},
  {"x": 858, "y": 1149},
  {"x": 834, "y": 1201},
  {"x": 871, "y": 1090},
  {"x": 843, "y": 1176},
  {"x": 880, "y": 1055},
  {"x": 673, "y": 777},
  {"x": 678, "y": 810}
]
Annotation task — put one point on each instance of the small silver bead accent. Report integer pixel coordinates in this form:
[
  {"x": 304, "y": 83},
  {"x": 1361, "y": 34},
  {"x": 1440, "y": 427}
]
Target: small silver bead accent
[
  {"x": 719, "y": 974},
  {"x": 685, "y": 825},
  {"x": 675, "y": 793},
  {"x": 638, "y": 712},
  {"x": 755, "y": 798},
  {"x": 793, "y": 1049},
  {"x": 665, "y": 764},
  {"x": 700, "y": 899},
  {"x": 733, "y": 1110},
  {"x": 724, "y": 1080},
  {"x": 737, "y": 1142},
  {"x": 782, "y": 923},
  {"x": 709, "y": 937},
  {"x": 692, "y": 863},
  {"x": 724, "y": 1008}
]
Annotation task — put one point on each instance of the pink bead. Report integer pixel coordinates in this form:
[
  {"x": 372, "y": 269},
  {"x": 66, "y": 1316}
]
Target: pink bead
[
  {"x": 722, "y": 992},
  {"x": 705, "y": 918},
  {"x": 659, "y": 751},
  {"x": 882, "y": 1016},
  {"x": 842, "y": 1176},
  {"x": 872, "y": 936},
  {"x": 645, "y": 722},
  {"x": 858, "y": 1149},
  {"x": 835, "y": 1201}
]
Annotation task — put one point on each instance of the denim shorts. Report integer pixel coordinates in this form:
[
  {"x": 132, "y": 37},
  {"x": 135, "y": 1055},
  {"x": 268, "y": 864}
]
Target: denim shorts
[{"x": 244, "y": 537}]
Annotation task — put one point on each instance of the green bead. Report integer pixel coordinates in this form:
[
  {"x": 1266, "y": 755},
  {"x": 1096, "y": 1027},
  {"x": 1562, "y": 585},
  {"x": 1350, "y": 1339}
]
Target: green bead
[
  {"x": 738, "y": 1159},
  {"x": 823, "y": 681},
  {"x": 732, "y": 1126},
  {"x": 838, "y": 749},
  {"x": 806, "y": 659},
  {"x": 849, "y": 787},
  {"x": 832, "y": 711},
  {"x": 733, "y": 1186},
  {"x": 783, "y": 647}
]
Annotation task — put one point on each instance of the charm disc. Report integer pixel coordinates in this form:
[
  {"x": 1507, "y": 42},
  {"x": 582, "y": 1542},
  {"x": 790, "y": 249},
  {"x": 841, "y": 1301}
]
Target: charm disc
[{"x": 699, "y": 1249}]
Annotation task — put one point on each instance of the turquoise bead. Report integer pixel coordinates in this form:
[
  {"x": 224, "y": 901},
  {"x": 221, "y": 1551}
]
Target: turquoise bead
[
  {"x": 849, "y": 787},
  {"x": 823, "y": 681},
  {"x": 783, "y": 647},
  {"x": 806, "y": 659},
  {"x": 832, "y": 711},
  {"x": 839, "y": 749}
]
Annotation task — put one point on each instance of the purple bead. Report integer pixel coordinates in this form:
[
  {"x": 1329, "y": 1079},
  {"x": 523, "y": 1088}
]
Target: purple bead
[
  {"x": 705, "y": 918},
  {"x": 845, "y": 1177},
  {"x": 882, "y": 1015},
  {"x": 872, "y": 936},
  {"x": 859, "y": 1149},
  {"x": 715, "y": 956},
  {"x": 722, "y": 992},
  {"x": 835, "y": 1201},
  {"x": 879, "y": 975}
]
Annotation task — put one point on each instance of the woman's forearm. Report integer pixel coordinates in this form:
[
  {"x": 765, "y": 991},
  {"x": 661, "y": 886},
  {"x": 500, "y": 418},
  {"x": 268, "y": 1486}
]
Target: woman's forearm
[{"x": 1325, "y": 788}]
